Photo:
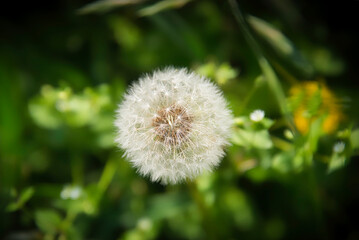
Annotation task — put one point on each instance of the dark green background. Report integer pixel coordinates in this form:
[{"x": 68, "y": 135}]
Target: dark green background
[{"x": 49, "y": 43}]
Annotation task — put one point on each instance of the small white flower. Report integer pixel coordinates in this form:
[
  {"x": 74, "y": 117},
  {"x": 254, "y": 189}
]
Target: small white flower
[
  {"x": 339, "y": 147},
  {"x": 257, "y": 115},
  {"x": 71, "y": 192},
  {"x": 184, "y": 131}
]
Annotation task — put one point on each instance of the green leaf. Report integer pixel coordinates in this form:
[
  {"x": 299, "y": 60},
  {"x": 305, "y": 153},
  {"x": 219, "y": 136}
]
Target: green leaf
[
  {"x": 24, "y": 197},
  {"x": 11, "y": 207},
  {"x": 161, "y": 6},
  {"x": 337, "y": 161},
  {"x": 257, "y": 139},
  {"x": 280, "y": 44},
  {"x": 106, "y": 5},
  {"x": 43, "y": 114},
  {"x": 47, "y": 220},
  {"x": 314, "y": 134},
  {"x": 300, "y": 158},
  {"x": 225, "y": 73},
  {"x": 240, "y": 121},
  {"x": 221, "y": 73},
  {"x": 267, "y": 123},
  {"x": 283, "y": 161},
  {"x": 325, "y": 62},
  {"x": 240, "y": 137},
  {"x": 262, "y": 140},
  {"x": 354, "y": 139},
  {"x": 237, "y": 203},
  {"x": 126, "y": 33}
]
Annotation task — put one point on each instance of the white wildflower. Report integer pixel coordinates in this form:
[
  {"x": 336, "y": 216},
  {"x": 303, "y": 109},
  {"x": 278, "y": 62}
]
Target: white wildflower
[
  {"x": 339, "y": 147},
  {"x": 257, "y": 115},
  {"x": 71, "y": 192},
  {"x": 173, "y": 125}
]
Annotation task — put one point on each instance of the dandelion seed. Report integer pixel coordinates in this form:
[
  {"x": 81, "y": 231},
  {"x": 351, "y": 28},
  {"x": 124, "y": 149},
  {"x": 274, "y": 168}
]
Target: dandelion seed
[
  {"x": 339, "y": 147},
  {"x": 183, "y": 133},
  {"x": 257, "y": 115}
]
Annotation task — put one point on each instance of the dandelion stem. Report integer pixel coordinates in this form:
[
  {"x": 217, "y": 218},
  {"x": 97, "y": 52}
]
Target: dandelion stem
[{"x": 205, "y": 212}]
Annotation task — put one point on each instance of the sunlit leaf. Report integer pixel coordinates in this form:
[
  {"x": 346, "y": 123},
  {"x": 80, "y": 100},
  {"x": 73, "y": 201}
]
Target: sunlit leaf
[
  {"x": 337, "y": 161},
  {"x": 325, "y": 62},
  {"x": 354, "y": 139},
  {"x": 315, "y": 132},
  {"x": 280, "y": 44},
  {"x": 237, "y": 203},
  {"x": 283, "y": 161},
  {"x": 257, "y": 139},
  {"x": 42, "y": 110},
  {"x": 48, "y": 220},
  {"x": 25, "y": 196},
  {"x": 221, "y": 73},
  {"x": 267, "y": 123},
  {"x": 106, "y": 5},
  {"x": 126, "y": 33},
  {"x": 161, "y": 6}
]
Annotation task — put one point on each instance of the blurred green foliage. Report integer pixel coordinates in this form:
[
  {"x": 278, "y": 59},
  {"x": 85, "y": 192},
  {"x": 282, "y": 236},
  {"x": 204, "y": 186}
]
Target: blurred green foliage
[{"x": 289, "y": 174}]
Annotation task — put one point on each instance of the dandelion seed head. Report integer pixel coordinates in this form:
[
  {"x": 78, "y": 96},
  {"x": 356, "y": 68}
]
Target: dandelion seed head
[
  {"x": 182, "y": 133},
  {"x": 170, "y": 127}
]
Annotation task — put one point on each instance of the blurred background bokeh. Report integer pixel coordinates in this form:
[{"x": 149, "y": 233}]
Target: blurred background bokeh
[{"x": 64, "y": 66}]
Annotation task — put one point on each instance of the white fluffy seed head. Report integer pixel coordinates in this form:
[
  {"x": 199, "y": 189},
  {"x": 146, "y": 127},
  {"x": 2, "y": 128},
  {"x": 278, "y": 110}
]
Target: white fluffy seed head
[{"x": 173, "y": 125}]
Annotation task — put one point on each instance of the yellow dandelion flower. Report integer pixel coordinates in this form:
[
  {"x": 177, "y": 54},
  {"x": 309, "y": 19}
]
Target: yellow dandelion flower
[{"x": 311, "y": 100}]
